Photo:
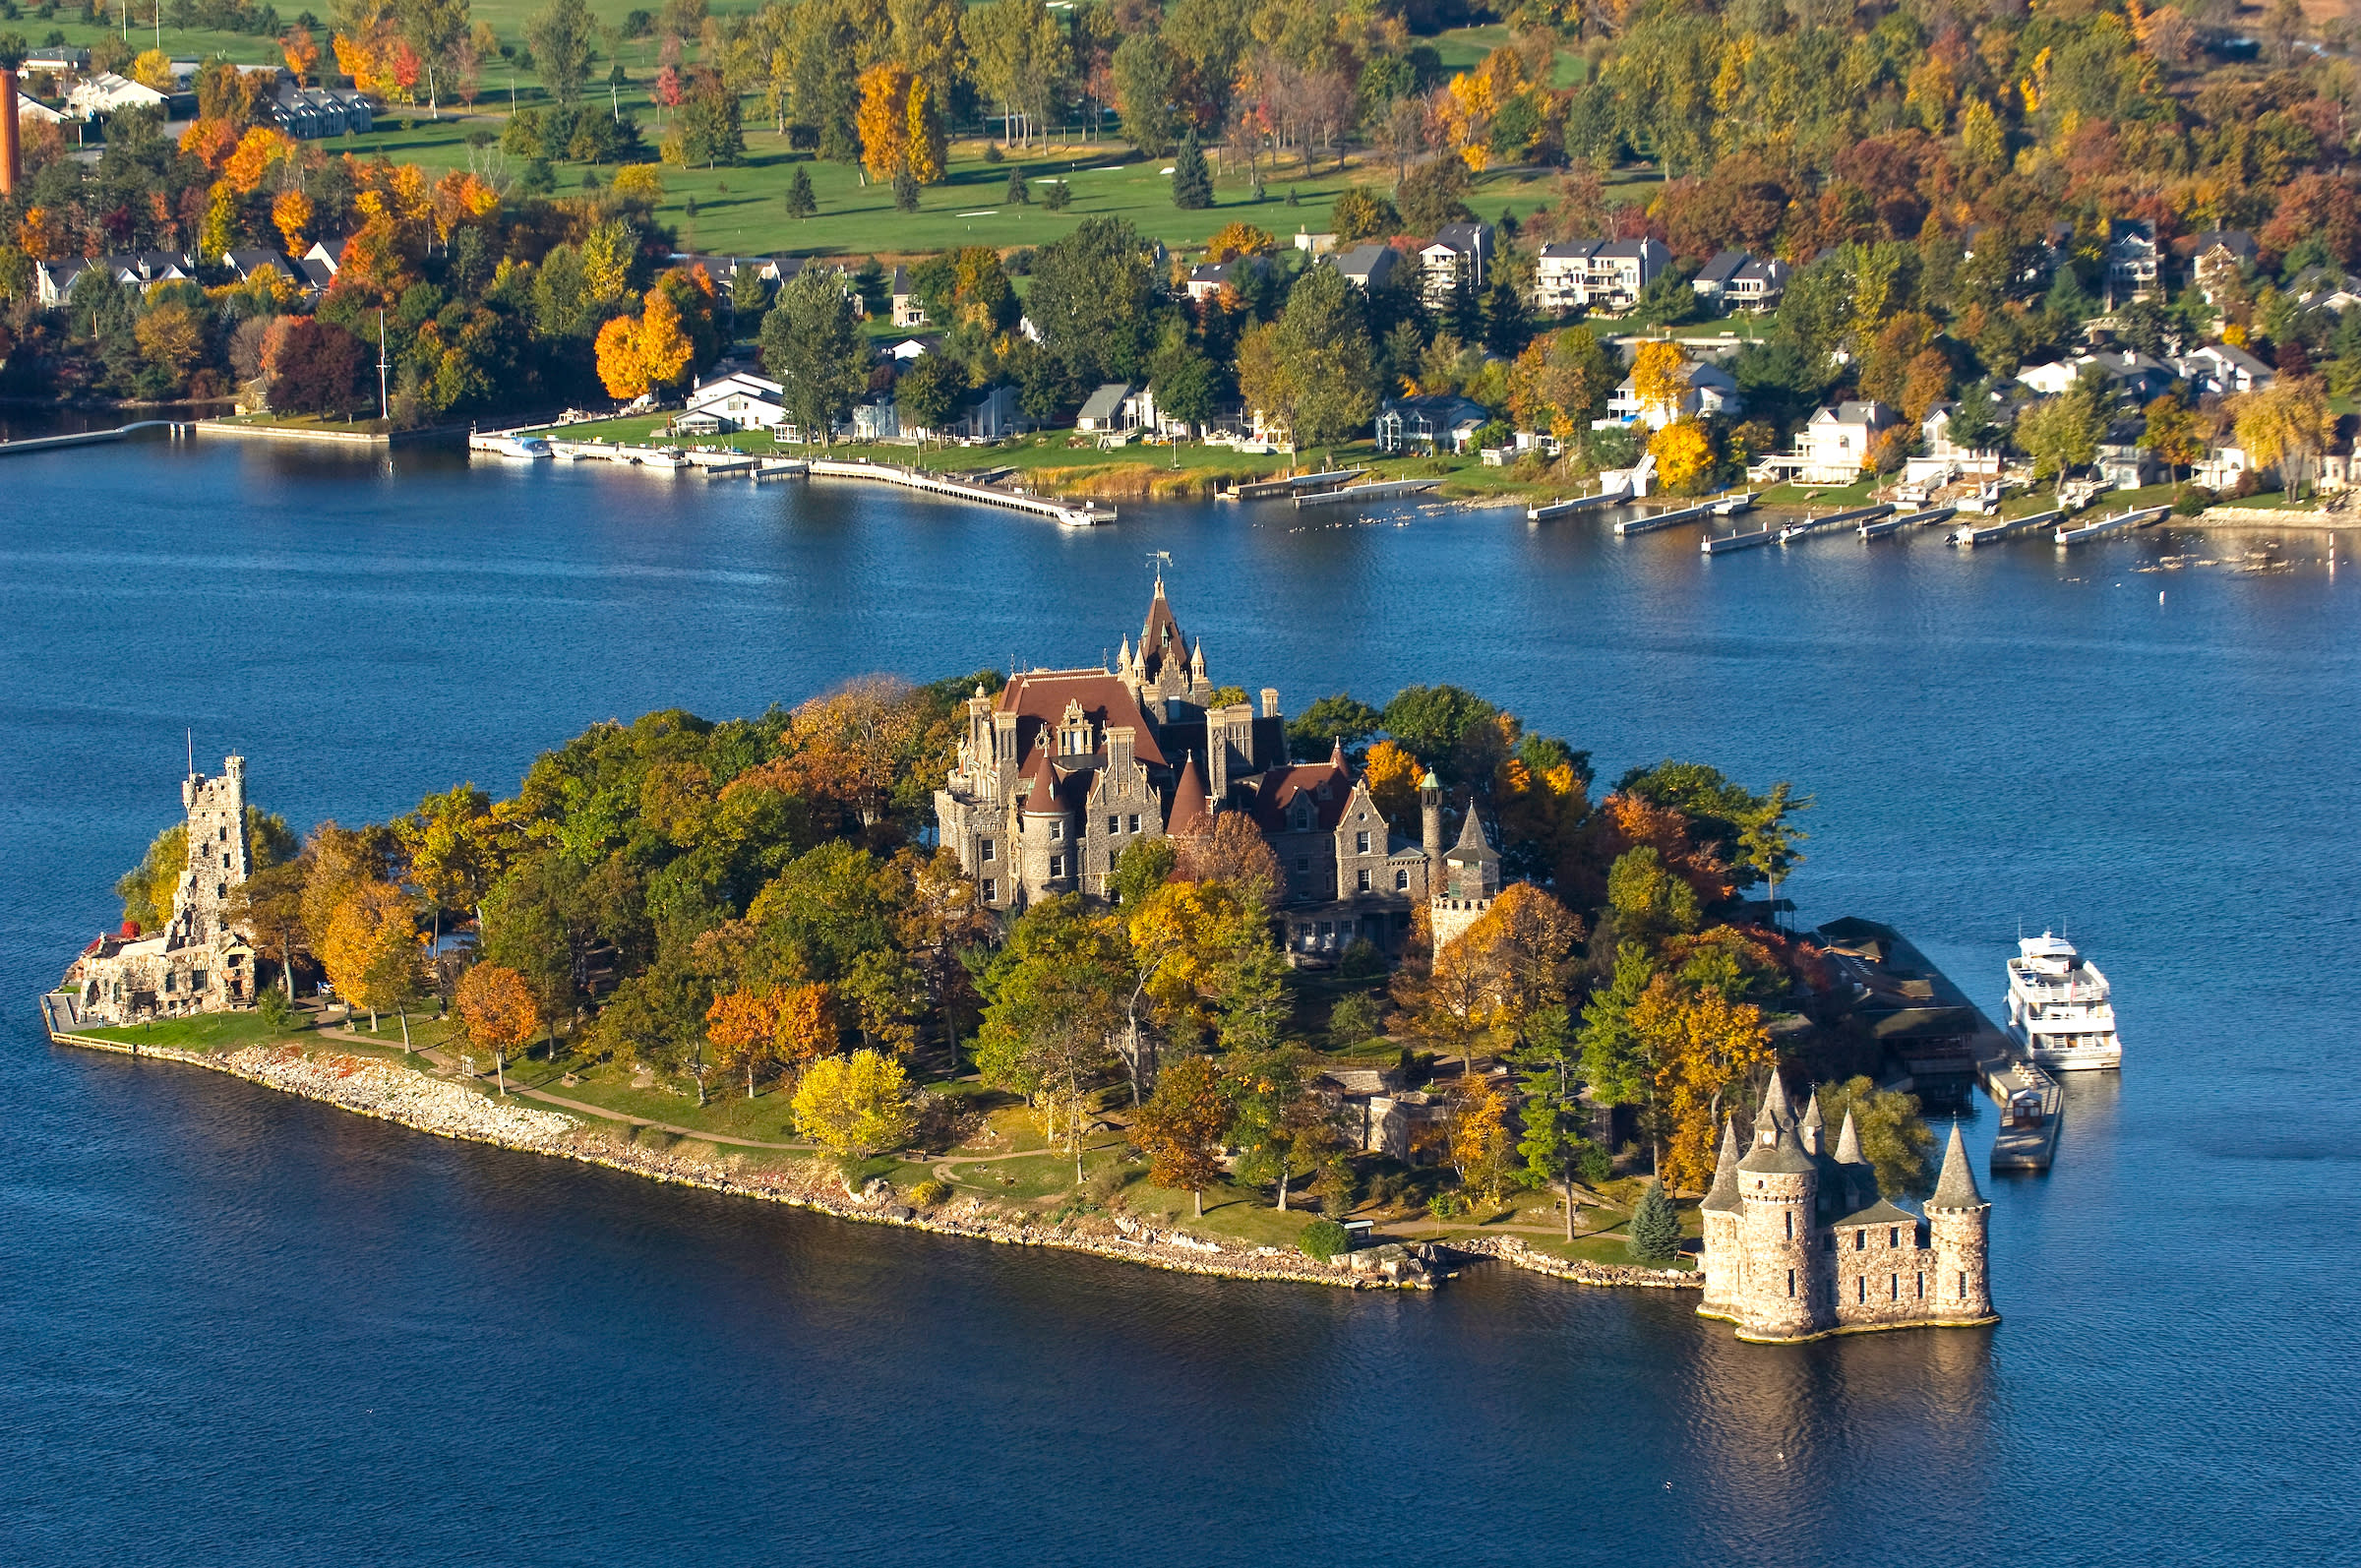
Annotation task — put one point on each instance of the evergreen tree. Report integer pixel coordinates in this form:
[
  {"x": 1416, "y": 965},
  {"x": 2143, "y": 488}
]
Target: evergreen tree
[
  {"x": 800, "y": 201},
  {"x": 1654, "y": 1237},
  {"x": 1058, "y": 195},
  {"x": 1192, "y": 183},
  {"x": 1019, "y": 193},
  {"x": 905, "y": 192}
]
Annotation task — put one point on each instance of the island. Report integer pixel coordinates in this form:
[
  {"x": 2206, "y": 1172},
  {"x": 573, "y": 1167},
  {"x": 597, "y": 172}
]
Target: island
[{"x": 1122, "y": 959}]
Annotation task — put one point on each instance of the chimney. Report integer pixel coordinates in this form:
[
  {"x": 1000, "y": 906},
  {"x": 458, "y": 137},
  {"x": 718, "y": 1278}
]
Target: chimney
[
  {"x": 1270, "y": 701},
  {"x": 11, "y": 167},
  {"x": 1120, "y": 738}
]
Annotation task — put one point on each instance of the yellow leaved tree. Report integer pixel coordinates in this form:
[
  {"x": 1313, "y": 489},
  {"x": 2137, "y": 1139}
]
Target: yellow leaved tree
[
  {"x": 1660, "y": 377},
  {"x": 1696, "y": 1043},
  {"x": 644, "y": 355},
  {"x": 371, "y": 951},
  {"x": 1685, "y": 455},
  {"x": 856, "y": 1106}
]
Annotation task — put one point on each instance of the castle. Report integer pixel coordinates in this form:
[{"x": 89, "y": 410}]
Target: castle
[
  {"x": 1065, "y": 768},
  {"x": 200, "y": 962},
  {"x": 1799, "y": 1244}
]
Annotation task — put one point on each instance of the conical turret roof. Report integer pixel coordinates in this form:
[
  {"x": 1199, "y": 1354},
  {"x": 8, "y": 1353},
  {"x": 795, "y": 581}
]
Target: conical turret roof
[
  {"x": 1957, "y": 1188},
  {"x": 1849, "y": 1142},
  {"x": 1472, "y": 848},
  {"x": 1725, "y": 1194},
  {"x": 1811, "y": 1121},
  {"x": 1429, "y": 781},
  {"x": 1192, "y": 813},
  {"x": 1774, "y": 1103}
]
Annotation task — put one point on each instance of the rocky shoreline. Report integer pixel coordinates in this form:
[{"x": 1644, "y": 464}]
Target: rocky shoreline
[
  {"x": 370, "y": 1087},
  {"x": 1516, "y": 1254}
]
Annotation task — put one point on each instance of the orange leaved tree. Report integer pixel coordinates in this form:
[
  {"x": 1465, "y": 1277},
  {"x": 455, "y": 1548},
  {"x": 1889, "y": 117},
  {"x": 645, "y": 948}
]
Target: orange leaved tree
[
  {"x": 1180, "y": 1127},
  {"x": 500, "y": 1013},
  {"x": 371, "y": 948}
]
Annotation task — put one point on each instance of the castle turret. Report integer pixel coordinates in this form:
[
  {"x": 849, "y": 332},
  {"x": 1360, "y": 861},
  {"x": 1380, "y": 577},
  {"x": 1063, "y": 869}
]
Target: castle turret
[
  {"x": 1780, "y": 1293},
  {"x": 217, "y": 849},
  {"x": 1958, "y": 1219},
  {"x": 1808, "y": 1130},
  {"x": 1722, "y": 1214},
  {"x": 1430, "y": 827}
]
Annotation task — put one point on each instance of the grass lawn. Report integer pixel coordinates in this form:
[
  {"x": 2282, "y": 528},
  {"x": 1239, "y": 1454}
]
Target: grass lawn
[
  {"x": 211, "y": 1032},
  {"x": 1835, "y": 497}
]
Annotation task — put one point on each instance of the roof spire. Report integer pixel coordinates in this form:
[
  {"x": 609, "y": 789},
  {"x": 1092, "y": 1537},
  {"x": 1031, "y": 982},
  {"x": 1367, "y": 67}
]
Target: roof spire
[
  {"x": 1849, "y": 1142},
  {"x": 1774, "y": 1103},
  {"x": 1336, "y": 756},
  {"x": 1192, "y": 815},
  {"x": 1957, "y": 1188},
  {"x": 1811, "y": 1126},
  {"x": 1725, "y": 1192}
]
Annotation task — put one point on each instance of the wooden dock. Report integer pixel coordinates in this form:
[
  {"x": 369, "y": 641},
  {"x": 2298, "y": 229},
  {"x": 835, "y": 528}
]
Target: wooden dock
[
  {"x": 1616, "y": 497},
  {"x": 176, "y": 431},
  {"x": 1975, "y": 534},
  {"x": 2141, "y": 517},
  {"x": 1670, "y": 517},
  {"x": 1294, "y": 485},
  {"x": 1834, "y": 519},
  {"x": 1065, "y": 513},
  {"x": 2022, "y": 1143},
  {"x": 1767, "y": 534},
  {"x": 1878, "y": 529},
  {"x": 1382, "y": 490}
]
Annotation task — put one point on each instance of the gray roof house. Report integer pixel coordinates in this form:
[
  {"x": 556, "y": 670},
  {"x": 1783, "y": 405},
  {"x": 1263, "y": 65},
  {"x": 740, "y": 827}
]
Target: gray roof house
[
  {"x": 1430, "y": 423},
  {"x": 2225, "y": 368},
  {"x": 1103, "y": 410},
  {"x": 907, "y": 311},
  {"x": 1596, "y": 274},
  {"x": 1736, "y": 281},
  {"x": 1459, "y": 253},
  {"x": 1366, "y": 267}
]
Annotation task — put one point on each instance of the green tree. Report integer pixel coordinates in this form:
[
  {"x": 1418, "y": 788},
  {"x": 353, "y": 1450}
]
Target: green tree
[
  {"x": 801, "y": 203},
  {"x": 928, "y": 392},
  {"x": 1144, "y": 866},
  {"x": 563, "y": 36},
  {"x": 1314, "y": 733},
  {"x": 1192, "y": 182},
  {"x": 1613, "y": 1063},
  {"x": 1054, "y": 999},
  {"x": 1554, "y": 1151},
  {"x": 1649, "y": 901},
  {"x": 1653, "y": 1234},
  {"x": 813, "y": 346},
  {"x": 1315, "y": 368},
  {"x": 2061, "y": 434},
  {"x": 1895, "y": 1139},
  {"x": 1429, "y": 721},
  {"x": 1093, "y": 300},
  {"x": 1147, "y": 89}
]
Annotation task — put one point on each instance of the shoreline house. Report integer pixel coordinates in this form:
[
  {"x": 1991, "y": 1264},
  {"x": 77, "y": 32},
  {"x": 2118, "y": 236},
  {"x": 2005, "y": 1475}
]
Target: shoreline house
[
  {"x": 53, "y": 282},
  {"x": 1460, "y": 254},
  {"x": 1063, "y": 769},
  {"x": 2133, "y": 259},
  {"x": 1596, "y": 274},
  {"x": 737, "y": 400},
  {"x": 1834, "y": 448},
  {"x": 1430, "y": 423},
  {"x": 1799, "y": 1243},
  {"x": 1708, "y": 391},
  {"x": 2225, "y": 368},
  {"x": 1735, "y": 280},
  {"x": 1946, "y": 459},
  {"x": 200, "y": 962}
]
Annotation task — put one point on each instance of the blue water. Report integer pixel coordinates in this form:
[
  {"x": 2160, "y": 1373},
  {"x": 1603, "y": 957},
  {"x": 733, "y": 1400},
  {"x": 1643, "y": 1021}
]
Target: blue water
[{"x": 241, "y": 1328}]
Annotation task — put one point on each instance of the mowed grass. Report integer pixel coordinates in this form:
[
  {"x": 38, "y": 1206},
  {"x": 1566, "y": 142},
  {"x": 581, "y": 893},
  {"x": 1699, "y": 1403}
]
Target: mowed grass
[{"x": 211, "y": 1032}]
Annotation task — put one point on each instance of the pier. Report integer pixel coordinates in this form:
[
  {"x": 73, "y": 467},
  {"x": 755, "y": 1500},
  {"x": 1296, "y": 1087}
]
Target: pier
[
  {"x": 1066, "y": 513},
  {"x": 1878, "y": 529},
  {"x": 1382, "y": 490},
  {"x": 2030, "y": 1104},
  {"x": 1834, "y": 519},
  {"x": 1296, "y": 485},
  {"x": 1670, "y": 518},
  {"x": 1739, "y": 541},
  {"x": 1975, "y": 534},
  {"x": 91, "y": 438},
  {"x": 1613, "y": 496},
  {"x": 2142, "y": 517}
]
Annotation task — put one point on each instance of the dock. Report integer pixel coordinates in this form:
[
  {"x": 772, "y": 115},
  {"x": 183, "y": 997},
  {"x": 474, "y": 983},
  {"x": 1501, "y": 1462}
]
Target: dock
[
  {"x": 1878, "y": 529},
  {"x": 1294, "y": 485},
  {"x": 1065, "y": 513},
  {"x": 615, "y": 452},
  {"x": 1382, "y": 490},
  {"x": 178, "y": 431},
  {"x": 1615, "y": 496},
  {"x": 1668, "y": 518},
  {"x": 1729, "y": 542},
  {"x": 1732, "y": 505},
  {"x": 1834, "y": 519},
  {"x": 2141, "y": 517},
  {"x": 1975, "y": 534},
  {"x": 2028, "y": 1139}
]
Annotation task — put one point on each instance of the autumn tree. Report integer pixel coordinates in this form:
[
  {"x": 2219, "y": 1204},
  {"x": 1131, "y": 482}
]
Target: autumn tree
[
  {"x": 1180, "y": 1127},
  {"x": 856, "y": 1106},
  {"x": 742, "y": 1027},
  {"x": 645, "y": 355},
  {"x": 1660, "y": 378},
  {"x": 2284, "y": 426},
  {"x": 2174, "y": 433},
  {"x": 1281, "y": 1130},
  {"x": 497, "y": 1008},
  {"x": 1684, "y": 456},
  {"x": 371, "y": 949},
  {"x": 1477, "y": 1137},
  {"x": 1695, "y": 1043}
]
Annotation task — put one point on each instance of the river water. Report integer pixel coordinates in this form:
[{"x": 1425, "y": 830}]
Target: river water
[{"x": 243, "y": 1328}]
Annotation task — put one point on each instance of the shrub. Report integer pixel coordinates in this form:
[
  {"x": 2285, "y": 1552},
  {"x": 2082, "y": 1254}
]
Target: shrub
[
  {"x": 1363, "y": 960},
  {"x": 1444, "y": 1206},
  {"x": 1654, "y": 1237},
  {"x": 933, "y": 1190},
  {"x": 1059, "y": 197},
  {"x": 992, "y": 151},
  {"x": 905, "y": 192},
  {"x": 1323, "y": 1239},
  {"x": 273, "y": 1008}
]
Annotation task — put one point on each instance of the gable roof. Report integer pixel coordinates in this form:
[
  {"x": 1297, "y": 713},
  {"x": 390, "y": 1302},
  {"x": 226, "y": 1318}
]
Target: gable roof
[
  {"x": 1106, "y": 401},
  {"x": 1725, "y": 265},
  {"x": 1039, "y": 698},
  {"x": 1278, "y": 791}
]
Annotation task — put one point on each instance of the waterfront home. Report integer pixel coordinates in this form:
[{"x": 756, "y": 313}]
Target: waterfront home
[
  {"x": 1835, "y": 447},
  {"x": 737, "y": 400},
  {"x": 1460, "y": 254},
  {"x": 1946, "y": 459},
  {"x": 1430, "y": 423},
  {"x": 2135, "y": 373},
  {"x": 1735, "y": 280},
  {"x": 1105, "y": 410},
  {"x": 907, "y": 311},
  {"x": 1596, "y": 274},
  {"x": 1708, "y": 391},
  {"x": 2225, "y": 368},
  {"x": 1366, "y": 267},
  {"x": 53, "y": 282},
  {"x": 2122, "y": 462}
]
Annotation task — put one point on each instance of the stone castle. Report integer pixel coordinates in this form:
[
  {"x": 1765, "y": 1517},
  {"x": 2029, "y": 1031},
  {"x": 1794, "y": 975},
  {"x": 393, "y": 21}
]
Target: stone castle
[
  {"x": 1798, "y": 1242},
  {"x": 1065, "y": 768},
  {"x": 200, "y": 962}
]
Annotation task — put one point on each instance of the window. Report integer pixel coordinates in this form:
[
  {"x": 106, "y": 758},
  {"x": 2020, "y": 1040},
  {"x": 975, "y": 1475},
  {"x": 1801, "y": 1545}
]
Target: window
[
  {"x": 197, "y": 979},
  {"x": 221, "y": 889},
  {"x": 1791, "y": 1284},
  {"x": 1303, "y": 863},
  {"x": 1894, "y": 1236},
  {"x": 1361, "y": 843},
  {"x": 1963, "y": 1284},
  {"x": 1922, "y": 1284},
  {"x": 1861, "y": 1290},
  {"x": 985, "y": 851},
  {"x": 1894, "y": 1287},
  {"x": 1057, "y": 865},
  {"x": 1789, "y": 1216},
  {"x": 990, "y": 890},
  {"x": 1114, "y": 826},
  {"x": 1401, "y": 881},
  {"x": 226, "y": 833},
  {"x": 1860, "y": 1240},
  {"x": 170, "y": 979},
  {"x": 1363, "y": 876},
  {"x": 225, "y": 863},
  {"x": 1056, "y": 832},
  {"x": 1133, "y": 820}
]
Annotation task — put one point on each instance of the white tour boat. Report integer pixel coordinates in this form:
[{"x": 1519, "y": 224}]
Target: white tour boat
[
  {"x": 504, "y": 444},
  {"x": 2058, "y": 1007}
]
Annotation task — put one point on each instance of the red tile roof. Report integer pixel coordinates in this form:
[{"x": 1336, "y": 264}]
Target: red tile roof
[
  {"x": 1280, "y": 787},
  {"x": 1191, "y": 816},
  {"x": 1039, "y": 698}
]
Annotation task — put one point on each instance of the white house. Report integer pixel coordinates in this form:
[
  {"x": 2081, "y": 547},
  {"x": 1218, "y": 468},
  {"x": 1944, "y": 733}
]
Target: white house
[
  {"x": 1735, "y": 280},
  {"x": 738, "y": 400},
  {"x": 1459, "y": 252},
  {"x": 1710, "y": 391},
  {"x": 1208, "y": 280},
  {"x": 52, "y": 281},
  {"x": 2330, "y": 288},
  {"x": 1946, "y": 459},
  {"x": 2144, "y": 377},
  {"x": 1105, "y": 410},
  {"x": 2225, "y": 368},
  {"x": 109, "y": 94},
  {"x": 907, "y": 311},
  {"x": 2132, "y": 258},
  {"x": 1834, "y": 447},
  {"x": 1596, "y": 274}
]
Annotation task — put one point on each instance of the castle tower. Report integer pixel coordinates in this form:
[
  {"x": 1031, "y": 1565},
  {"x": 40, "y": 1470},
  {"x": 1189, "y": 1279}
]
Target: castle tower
[
  {"x": 1430, "y": 826},
  {"x": 1471, "y": 876},
  {"x": 1959, "y": 1222},
  {"x": 1723, "y": 1216},
  {"x": 1780, "y": 1293},
  {"x": 217, "y": 853},
  {"x": 1809, "y": 1129}
]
